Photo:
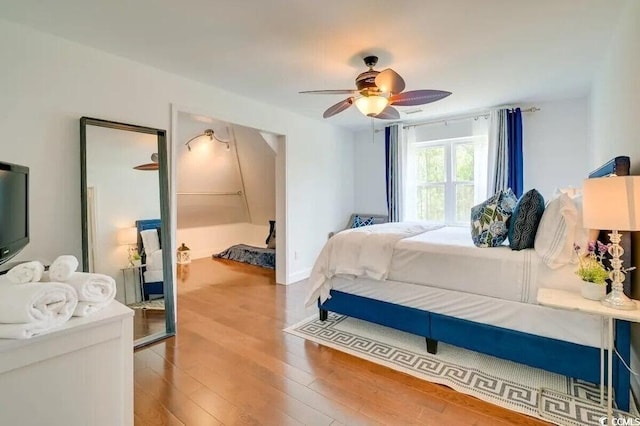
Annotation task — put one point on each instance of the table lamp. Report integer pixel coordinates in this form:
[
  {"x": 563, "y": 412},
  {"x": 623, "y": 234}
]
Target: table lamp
[
  {"x": 613, "y": 203},
  {"x": 129, "y": 237}
]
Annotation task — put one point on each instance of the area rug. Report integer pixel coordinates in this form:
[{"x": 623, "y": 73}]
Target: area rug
[
  {"x": 507, "y": 384},
  {"x": 151, "y": 305},
  {"x": 258, "y": 256}
]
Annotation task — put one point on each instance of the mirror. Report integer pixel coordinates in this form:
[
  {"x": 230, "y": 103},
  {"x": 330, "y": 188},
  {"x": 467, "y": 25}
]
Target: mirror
[{"x": 125, "y": 219}]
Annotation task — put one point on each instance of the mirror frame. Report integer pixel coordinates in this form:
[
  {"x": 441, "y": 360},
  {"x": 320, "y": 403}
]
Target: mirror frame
[{"x": 163, "y": 178}]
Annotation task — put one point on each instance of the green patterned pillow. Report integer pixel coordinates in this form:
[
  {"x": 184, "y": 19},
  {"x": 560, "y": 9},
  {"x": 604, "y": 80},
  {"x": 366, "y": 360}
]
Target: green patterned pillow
[{"x": 489, "y": 219}]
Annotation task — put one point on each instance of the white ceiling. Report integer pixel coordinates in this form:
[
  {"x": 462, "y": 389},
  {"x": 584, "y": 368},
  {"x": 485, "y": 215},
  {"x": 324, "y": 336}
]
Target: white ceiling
[{"x": 488, "y": 53}]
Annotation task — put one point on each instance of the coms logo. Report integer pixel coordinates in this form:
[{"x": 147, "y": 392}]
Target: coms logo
[{"x": 616, "y": 421}]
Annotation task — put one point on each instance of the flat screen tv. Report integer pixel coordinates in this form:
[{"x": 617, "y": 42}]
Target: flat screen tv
[{"x": 14, "y": 209}]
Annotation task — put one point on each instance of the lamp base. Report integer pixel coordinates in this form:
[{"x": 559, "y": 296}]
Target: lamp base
[{"x": 618, "y": 300}]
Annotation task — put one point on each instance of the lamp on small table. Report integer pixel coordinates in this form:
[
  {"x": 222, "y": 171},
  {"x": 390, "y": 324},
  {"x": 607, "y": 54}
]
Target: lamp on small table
[
  {"x": 613, "y": 203},
  {"x": 129, "y": 237}
]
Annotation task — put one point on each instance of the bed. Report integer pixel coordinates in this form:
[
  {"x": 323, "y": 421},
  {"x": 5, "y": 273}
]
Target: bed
[
  {"x": 438, "y": 285},
  {"x": 151, "y": 254}
]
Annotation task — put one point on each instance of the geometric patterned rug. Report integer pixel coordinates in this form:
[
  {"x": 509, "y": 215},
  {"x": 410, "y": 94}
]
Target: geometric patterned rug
[
  {"x": 150, "y": 305},
  {"x": 505, "y": 383}
]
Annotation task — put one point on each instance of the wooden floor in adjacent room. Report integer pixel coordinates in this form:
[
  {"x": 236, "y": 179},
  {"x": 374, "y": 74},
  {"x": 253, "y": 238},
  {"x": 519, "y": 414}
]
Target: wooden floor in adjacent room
[{"x": 230, "y": 363}]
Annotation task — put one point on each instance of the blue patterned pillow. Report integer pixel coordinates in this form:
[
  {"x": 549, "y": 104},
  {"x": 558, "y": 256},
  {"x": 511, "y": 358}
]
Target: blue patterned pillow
[
  {"x": 489, "y": 219},
  {"x": 359, "y": 221},
  {"x": 525, "y": 220}
]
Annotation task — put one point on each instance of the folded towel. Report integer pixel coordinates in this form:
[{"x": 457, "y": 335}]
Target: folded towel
[
  {"x": 34, "y": 308},
  {"x": 95, "y": 288},
  {"x": 85, "y": 308},
  {"x": 62, "y": 268},
  {"x": 27, "y": 272}
]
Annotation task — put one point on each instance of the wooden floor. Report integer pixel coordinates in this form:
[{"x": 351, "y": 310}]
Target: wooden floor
[{"x": 230, "y": 363}]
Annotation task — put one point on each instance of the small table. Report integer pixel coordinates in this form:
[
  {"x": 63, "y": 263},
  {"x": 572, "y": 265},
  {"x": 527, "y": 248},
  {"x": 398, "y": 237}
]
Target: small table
[
  {"x": 572, "y": 301},
  {"x": 137, "y": 272}
]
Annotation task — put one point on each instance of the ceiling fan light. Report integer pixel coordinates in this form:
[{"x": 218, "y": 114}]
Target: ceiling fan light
[{"x": 371, "y": 105}]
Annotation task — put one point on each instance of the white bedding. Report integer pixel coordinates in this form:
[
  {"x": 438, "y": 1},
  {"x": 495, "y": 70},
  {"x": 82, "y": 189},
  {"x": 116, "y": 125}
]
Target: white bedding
[
  {"x": 360, "y": 252},
  {"x": 446, "y": 258},
  {"x": 153, "y": 271}
]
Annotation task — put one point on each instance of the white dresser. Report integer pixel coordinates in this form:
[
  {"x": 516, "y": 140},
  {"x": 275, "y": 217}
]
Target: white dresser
[{"x": 80, "y": 374}]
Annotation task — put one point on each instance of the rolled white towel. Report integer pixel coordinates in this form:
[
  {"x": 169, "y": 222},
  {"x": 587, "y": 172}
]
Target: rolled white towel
[
  {"x": 62, "y": 268},
  {"x": 86, "y": 308},
  {"x": 28, "y": 272},
  {"x": 94, "y": 288},
  {"x": 34, "y": 308}
]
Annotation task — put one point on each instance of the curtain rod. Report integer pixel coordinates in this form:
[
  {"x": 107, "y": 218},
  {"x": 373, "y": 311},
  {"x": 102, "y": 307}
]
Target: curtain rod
[{"x": 477, "y": 115}]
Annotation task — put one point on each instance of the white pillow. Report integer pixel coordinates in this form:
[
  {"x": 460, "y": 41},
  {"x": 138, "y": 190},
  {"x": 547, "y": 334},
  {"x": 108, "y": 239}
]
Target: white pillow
[
  {"x": 150, "y": 240},
  {"x": 582, "y": 235},
  {"x": 556, "y": 232}
]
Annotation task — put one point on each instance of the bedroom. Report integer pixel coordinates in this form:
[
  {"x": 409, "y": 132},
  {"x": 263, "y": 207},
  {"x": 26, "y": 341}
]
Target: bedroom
[{"x": 41, "y": 94}]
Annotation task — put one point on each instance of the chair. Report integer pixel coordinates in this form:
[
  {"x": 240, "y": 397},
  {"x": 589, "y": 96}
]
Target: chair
[{"x": 377, "y": 219}]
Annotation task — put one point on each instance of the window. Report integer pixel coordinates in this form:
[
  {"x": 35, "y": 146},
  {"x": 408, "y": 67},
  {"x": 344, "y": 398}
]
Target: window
[{"x": 444, "y": 179}]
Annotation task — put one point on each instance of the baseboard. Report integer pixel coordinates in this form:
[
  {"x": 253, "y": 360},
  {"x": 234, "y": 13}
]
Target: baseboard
[{"x": 299, "y": 276}]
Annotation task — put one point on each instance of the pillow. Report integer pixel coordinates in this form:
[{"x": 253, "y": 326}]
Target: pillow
[
  {"x": 359, "y": 221},
  {"x": 271, "y": 238},
  {"x": 525, "y": 220},
  {"x": 489, "y": 219},
  {"x": 150, "y": 241},
  {"x": 556, "y": 232}
]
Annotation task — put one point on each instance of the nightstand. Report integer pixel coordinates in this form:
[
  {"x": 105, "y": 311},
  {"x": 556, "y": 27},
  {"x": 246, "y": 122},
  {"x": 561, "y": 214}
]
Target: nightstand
[
  {"x": 135, "y": 271},
  {"x": 570, "y": 301}
]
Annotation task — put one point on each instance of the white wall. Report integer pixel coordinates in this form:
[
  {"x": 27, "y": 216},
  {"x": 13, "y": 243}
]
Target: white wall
[
  {"x": 554, "y": 148},
  {"x": 615, "y": 97},
  {"x": 555, "y": 141},
  {"x": 208, "y": 240},
  {"x": 48, "y": 83},
  {"x": 615, "y": 120},
  {"x": 258, "y": 164}
]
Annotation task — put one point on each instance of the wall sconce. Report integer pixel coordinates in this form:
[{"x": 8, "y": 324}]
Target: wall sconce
[{"x": 209, "y": 133}]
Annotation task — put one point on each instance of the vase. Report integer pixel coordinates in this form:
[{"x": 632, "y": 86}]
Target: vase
[{"x": 593, "y": 291}]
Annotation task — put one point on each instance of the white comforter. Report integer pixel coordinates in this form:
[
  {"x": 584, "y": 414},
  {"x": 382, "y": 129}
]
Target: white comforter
[{"x": 360, "y": 252}]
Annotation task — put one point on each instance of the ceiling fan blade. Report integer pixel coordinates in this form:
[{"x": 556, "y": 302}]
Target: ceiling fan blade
[
  {"x": 389, "y": 113},
  {"x": 339, "y": 107},
  {"x": 330, "y": 92},
  {"x": 417, "y": 97},
  {"x": 390, "y": 81}
]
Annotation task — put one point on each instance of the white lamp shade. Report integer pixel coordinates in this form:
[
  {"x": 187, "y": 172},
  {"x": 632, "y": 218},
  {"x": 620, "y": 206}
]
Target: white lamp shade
[
  {"x": 371, "y": 105},
  {"x": 612, "y": 203},
  {"x": 127, "y": 236}
]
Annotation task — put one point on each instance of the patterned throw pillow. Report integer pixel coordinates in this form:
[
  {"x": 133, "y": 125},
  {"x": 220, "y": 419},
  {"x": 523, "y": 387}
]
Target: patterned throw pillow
[
  {"x": 525, "y": 220},
  {"x": 359, "y": 221},
  {"x": 489, "y": 219}
]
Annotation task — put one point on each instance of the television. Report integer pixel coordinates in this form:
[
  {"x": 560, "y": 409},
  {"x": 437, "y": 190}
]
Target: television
[{"x": 14, "y": 209}]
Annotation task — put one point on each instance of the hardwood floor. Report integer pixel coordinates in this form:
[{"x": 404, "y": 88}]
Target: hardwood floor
[{"x": 230, "y": 363}]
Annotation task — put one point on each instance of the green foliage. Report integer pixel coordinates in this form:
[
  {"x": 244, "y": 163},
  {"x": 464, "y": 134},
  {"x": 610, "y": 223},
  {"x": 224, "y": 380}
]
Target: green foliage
[{"x": 592, "y": 271}]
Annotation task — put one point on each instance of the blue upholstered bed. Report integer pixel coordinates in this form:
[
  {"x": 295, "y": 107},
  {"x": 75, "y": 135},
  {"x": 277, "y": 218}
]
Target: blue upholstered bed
[
  {"x": 152, "y": 287},
  {"x": 559, "y": 356}
]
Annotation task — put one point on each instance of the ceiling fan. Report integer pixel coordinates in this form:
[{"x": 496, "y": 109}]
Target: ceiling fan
[{"x": 377, "y": 91}]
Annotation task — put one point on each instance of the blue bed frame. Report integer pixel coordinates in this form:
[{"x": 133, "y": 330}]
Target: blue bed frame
[
  {"x": 148, "y": 288},
  {"x": 570, "y": 359}
]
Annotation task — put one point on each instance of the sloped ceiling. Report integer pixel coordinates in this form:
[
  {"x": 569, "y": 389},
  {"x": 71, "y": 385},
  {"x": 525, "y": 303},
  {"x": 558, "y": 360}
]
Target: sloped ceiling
[{"x": 487, "y": 53}]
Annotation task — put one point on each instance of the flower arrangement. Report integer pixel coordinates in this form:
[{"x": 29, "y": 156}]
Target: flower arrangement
[{"x": 590, "y": 267}]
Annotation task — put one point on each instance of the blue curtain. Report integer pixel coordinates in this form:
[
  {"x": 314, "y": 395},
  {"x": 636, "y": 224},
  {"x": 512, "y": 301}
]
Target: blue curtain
[
  {"x": 392, "y": 166},
  {"x": 514, "y": 149}
]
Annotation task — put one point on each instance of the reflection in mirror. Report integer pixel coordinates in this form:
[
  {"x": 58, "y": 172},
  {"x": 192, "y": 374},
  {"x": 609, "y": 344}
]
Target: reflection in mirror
[{"x": 125, "y": 219}]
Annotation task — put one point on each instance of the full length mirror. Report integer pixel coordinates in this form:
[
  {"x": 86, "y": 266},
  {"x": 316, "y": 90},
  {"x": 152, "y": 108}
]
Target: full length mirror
[{"x": 125, "y": 219}]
